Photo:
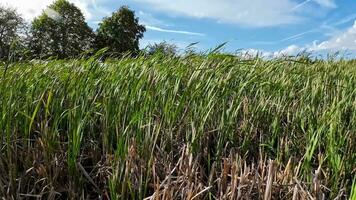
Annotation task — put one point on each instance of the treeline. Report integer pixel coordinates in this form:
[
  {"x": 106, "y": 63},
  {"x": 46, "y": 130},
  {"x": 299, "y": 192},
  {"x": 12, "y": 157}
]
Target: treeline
[{"x": 62, "y": 32}]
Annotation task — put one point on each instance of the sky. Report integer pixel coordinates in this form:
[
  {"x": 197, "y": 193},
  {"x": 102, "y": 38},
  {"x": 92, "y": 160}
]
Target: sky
[{"x": 267, "y": 27}]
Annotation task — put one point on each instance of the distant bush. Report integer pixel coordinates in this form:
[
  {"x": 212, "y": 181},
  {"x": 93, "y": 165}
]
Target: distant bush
[{"x": 163, "y": 48}]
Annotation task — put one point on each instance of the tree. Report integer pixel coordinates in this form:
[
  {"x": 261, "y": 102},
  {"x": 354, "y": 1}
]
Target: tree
[
  {"x": 162, "y": 48},
  {"x": 61, "y": 31},
  {"x": 120, "y": 32},
  {"x": 11, "y": 27}
]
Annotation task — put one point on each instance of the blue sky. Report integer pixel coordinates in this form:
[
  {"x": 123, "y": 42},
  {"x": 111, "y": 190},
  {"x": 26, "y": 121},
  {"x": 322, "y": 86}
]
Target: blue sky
[{"x": 271, "y": 27}]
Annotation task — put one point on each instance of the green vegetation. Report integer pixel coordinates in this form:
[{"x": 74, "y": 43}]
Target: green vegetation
[
  {"x": 195, "y": 127},
  {"x": 163, "y": 48},
  {"x": 120, "y": 32},
  {"x": 62, "y": 32},
  {"x": 157, "y": 124},
  {"x": 11, "y": 26}
]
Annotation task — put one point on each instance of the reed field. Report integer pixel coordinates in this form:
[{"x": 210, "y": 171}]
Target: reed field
[{"x": 192, "y": 127}]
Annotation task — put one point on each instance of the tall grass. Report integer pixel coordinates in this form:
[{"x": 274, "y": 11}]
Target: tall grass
[{"x": 199, "y": 127}]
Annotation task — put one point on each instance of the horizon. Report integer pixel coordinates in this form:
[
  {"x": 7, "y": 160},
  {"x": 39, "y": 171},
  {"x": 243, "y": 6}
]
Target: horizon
[{"x": 280, "y": 27}]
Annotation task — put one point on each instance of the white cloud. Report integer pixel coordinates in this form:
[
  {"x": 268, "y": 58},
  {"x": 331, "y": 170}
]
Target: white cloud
[
  {"x": 252, "y": 13},
  {"x": 326, "y": 3},
  {"x": 28, "y": 9},
  {"x": 154, "y": 24},
  {"x": 154, "y": 28},
  {"x": 342, "y": 41},
  {"x": 291, "y": 50},
  {"x": 345, "y": 19},
  {"x": 84, "y": 6},
  {"x": 301, "y": 4},
  {"x": 257, "y": 13},
  {"x": 323, "y": 3},
  {"x": 32, "y": 8},
  {"x": 251, "y": 53},
  {"x": 149, "y": 19},
  {"x": 297, "y": 36}
]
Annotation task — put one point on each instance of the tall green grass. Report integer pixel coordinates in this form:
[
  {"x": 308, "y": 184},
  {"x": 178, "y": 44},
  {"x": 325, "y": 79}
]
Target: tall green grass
[{"x": 123, "y": 129}]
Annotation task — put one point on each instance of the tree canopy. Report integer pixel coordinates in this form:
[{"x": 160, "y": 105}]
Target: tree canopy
[
  {"x": 60, "y": 31},
  {"x": 120, "y": 32},
  {"x": 11, "y": 25}
]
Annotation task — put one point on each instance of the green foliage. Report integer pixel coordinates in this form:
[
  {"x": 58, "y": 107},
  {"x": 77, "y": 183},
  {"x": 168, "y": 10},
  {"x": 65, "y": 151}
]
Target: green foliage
[
  {"x": 61, "y": 31},
  {"x": 11, "y": 27},
  {"x": 163, "y": 48},
  {"x": 120, "y": 32}
]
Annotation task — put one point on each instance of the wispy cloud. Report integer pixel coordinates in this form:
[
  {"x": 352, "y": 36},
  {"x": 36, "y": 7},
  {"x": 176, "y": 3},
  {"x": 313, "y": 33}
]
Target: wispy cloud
[
  {"x": 326, "y": 3},
  {"x": 345, "y": 19},
  {"x": 345, "y": 40},
  {"x": 291, "y": 50},
  {"x": 301, "y": 5},
  {"x": 289, "y": 38},
  {"x": 326, "y": 29},
  {"x": 154, "y": 28},
  {"x": 323, "y": 3},
  {"x": 297, "y": 36},
  {"x": 249, "y": 13},
  {"x": 149, "y": 19}
]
